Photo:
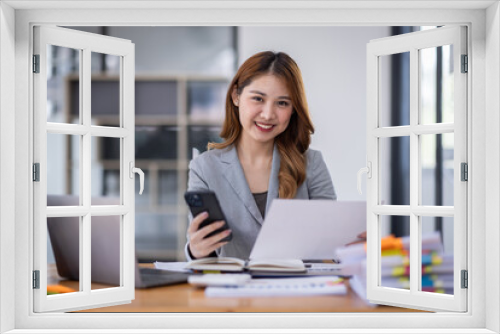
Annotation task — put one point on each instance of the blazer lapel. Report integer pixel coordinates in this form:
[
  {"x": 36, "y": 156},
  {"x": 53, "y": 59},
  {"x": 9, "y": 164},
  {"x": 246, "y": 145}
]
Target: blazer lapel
[
  {"x": 233, "y": 172},
  {"x": 273, "y": 188}
]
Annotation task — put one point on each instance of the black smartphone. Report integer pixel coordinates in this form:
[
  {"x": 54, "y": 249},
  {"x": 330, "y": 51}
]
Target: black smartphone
[{"x": 200, "y": 201}]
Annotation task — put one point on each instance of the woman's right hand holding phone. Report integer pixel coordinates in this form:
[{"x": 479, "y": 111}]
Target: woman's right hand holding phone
[{"x": 199, "y": 246}]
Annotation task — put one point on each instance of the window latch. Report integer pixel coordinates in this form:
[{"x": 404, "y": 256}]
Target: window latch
[
  {"x": 368, "y": 171},
  {"x": 141, "y": 175}
]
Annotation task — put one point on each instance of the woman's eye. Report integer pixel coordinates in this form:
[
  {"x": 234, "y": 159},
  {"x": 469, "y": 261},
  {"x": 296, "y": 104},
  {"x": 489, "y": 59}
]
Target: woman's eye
[
  {"x": 257, "y": 98},
  {"x": 283, "y": 103}
]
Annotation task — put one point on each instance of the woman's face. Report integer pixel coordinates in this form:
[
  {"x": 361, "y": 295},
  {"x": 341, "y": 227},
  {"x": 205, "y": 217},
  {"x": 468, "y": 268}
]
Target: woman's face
[{"x": 265, "y": 108}]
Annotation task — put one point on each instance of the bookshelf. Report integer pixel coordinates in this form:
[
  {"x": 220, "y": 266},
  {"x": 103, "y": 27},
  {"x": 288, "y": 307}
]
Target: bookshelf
[{"x": 174, "y": 114}]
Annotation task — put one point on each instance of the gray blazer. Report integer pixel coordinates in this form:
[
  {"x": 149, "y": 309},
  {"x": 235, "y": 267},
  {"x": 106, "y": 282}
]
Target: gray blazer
[{"x": 221, "y": 172}]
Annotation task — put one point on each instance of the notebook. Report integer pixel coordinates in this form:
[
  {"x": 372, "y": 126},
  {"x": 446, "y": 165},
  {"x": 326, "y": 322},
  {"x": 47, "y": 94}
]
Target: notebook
[{"x": 232, "y": 264}]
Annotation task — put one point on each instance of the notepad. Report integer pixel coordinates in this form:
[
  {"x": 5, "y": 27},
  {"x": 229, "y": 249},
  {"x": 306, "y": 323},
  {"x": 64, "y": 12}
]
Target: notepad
[
  {"x": 230, "y": 264},
  {"x": 310, "y": 286}
]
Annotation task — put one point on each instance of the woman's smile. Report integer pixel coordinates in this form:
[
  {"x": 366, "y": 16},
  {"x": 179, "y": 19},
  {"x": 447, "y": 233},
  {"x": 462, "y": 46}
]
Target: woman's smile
[{"x": 264, "y": 127}]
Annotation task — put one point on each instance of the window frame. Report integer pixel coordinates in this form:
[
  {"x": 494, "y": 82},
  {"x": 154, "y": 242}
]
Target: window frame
[
  {"x": 414, "y": 43},
  {"x": 85, "y": 43},
  {"x": 482, "y": 211}
]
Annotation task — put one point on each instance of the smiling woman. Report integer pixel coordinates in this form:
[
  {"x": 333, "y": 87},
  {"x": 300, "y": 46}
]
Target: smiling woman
[{"x": 265, "y": 155}]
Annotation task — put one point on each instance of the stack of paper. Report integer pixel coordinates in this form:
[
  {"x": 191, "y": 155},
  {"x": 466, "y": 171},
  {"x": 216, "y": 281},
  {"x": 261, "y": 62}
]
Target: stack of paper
[{"x": 437, "y": 266}]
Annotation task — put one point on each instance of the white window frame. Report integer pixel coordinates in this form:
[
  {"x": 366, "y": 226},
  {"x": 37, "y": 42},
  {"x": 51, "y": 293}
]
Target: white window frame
[
  {"x": 413, "y": 43},
  {"x": 17, "y": 19},
  {"x": 85, "y": 43}
]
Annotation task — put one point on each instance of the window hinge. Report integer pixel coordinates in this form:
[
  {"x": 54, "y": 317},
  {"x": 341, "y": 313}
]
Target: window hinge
[
  {"x": 36, "y": 63},
  {"x": 36, "y": 172},
  {"x": 36, "y": 279},
  {"x": 464, "y": 171},
  {"x": 465, "y": 63},
  {"x": 465, "y": 279}
]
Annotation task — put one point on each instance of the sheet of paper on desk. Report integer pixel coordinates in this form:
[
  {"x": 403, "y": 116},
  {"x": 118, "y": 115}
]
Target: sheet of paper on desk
[
  {"x": 307, "y": 286},
  {"x": 330, "y": 269},
  {"x": 172, "y": 266}
]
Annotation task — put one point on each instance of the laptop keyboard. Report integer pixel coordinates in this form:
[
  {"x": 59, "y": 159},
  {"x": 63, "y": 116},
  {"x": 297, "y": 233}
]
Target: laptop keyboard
[{"x": 154, "y": 277}]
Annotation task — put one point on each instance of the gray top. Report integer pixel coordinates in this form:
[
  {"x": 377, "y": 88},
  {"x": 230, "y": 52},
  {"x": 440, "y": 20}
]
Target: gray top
[
  {"x": 221, "y": 172},
  {"x": 261, "y": 201}
]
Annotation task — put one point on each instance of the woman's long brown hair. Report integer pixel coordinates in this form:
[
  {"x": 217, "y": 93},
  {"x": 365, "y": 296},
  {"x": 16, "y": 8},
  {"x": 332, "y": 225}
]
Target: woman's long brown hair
[{"x": 294, "y": 141}]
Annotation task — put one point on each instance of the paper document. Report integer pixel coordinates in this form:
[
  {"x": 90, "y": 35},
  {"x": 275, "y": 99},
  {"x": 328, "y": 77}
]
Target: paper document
[
  {"x": 309, "y": 286},
  {"x": 340, "y": 269},
  {"x": 324, "y": 266},
  {"x": 172, "y": 266},
  {"x": 314, "y": 229}
]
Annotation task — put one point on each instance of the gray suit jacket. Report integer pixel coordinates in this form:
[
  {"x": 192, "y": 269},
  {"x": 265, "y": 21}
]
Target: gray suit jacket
[{"x": 221, "y": 172}]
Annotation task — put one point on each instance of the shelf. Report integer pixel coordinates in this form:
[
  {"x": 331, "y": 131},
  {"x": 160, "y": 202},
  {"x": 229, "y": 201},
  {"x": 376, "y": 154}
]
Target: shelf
[{"x": 173, "y": 115}]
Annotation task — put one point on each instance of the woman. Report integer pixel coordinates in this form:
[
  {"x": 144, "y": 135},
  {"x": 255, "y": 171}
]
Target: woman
[{"x": 265, "y": 155}]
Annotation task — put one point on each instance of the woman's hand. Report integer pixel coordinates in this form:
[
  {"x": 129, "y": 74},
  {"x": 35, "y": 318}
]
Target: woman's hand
[
  {"x": 361, "y": 238},
  {"x": 198, "y": 245}
]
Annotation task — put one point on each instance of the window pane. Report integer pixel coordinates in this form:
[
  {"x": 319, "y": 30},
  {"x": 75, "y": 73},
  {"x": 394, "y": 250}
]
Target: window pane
[
  {"x": 437, "y": 254},
  {"x": 63, "y": 65},
  {"x": 207, "y": 99},
  {"x": 394, "y": 108},
  {"x": 105, "y": 171},
  {"x": 105, "y": 251},
  {"x": 63, "y": 166},
  {"x": 105, "y": 89},
  {"x": 168, "y": 187},
  {"x": 395, "y": 264},
  {"x": 395, "y": 171},
  {"x": 200, "y": 136},
  {"x": 437, "y": 172},
  {"x": 436, "y": 85},
  {"x": 156, "y": 142},
  {"x": 63, "y": 255}
]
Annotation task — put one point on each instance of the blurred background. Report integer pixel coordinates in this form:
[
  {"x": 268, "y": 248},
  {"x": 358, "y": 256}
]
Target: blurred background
[{"x": 182, "y": 76}]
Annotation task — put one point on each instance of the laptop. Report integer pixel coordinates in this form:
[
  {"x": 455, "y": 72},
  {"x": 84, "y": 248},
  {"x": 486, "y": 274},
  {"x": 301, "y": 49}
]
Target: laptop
[
  {"x": 308, "y": 229},
  {"x": 105, "y": 243}
]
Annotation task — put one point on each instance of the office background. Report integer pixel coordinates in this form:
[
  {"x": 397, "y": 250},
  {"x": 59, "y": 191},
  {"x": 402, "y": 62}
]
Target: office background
[{"x": 186, "y": 69}]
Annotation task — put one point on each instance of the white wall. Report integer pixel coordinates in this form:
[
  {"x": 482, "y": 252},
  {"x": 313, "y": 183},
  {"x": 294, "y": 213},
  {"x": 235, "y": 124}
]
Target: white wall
[{"x": 333, "y": 65}]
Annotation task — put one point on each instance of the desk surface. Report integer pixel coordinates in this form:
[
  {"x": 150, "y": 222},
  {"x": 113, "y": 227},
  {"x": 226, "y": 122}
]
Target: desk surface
[{"x": 186, "y": 298}]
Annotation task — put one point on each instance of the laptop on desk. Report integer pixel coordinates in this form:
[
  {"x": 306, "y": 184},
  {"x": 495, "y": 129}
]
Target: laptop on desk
[
  {"x": 308, "y": 229},
  {"x": 105, "y": 248}
]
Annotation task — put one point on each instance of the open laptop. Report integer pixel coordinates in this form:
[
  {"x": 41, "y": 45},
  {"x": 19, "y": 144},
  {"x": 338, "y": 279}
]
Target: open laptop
[
  {"x": 309, "y": 229},
  {"x": 105, "y": 248}
]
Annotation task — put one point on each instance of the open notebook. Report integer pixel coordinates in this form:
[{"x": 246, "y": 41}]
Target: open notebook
[{"x": 230, "y": 264}]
